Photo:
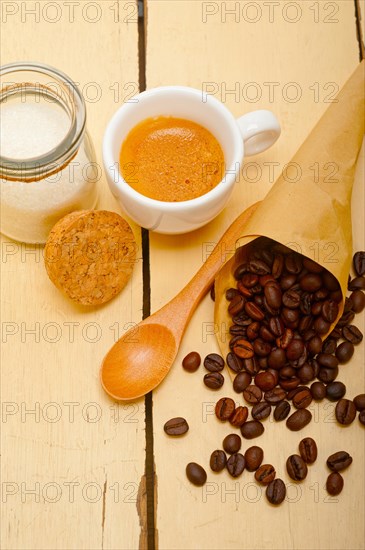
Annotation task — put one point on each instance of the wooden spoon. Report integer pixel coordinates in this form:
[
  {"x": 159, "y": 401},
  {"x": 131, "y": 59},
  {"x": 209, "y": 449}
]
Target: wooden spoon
[{"x": 141, "y": 359}]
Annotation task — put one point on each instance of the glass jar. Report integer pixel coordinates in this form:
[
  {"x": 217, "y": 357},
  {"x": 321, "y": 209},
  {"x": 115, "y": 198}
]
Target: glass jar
[{"x": 47, "y": 160}]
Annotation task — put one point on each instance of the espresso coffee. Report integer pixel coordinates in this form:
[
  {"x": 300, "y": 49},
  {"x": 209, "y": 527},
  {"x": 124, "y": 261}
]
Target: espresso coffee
[{"x": 171, "y": 159}]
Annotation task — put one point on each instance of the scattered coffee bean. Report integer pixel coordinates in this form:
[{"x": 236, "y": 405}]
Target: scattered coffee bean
[
  {"x": 232, "y": 443},
  {"x": 261, "y": 410},
  {"x": 358, "y": 301},
  {"x": 224, "y": 408},
  {"x": 231, "y": 293},
  {"x": 329, "y": 346},
  {"x": 318, "y": 391},
  {"x": 236, "y": 305},
  {"x": 352, "y": 334},
  {"x": 252, "y": 394},
  {"x": 234, "y": 362},
  {"x": 345, "y": 412},
  {"x": 275, "y": 396},
  {"x": 308, "y": 450},
  {"x": 327, "y": 375},
  {"x": 236, "y": 464},
  {"x": 339, "y": 461},
  {"x": 359, "y": 402},
  {"x": 298, "y": 420},
  {"x": 214, "y": 362},
  {"x": 239, "y": 416},
  {"x": 302, "y": 399},
  {"x": 243, "y": 349},
  {"x": 335, "y": 391},
  {"x": 265, "y": 381},
  {"x": 213, "y": 380},
  {"x": 281, "y": 411},
  {"x": 276, "y": 491},
  {"x": 176, "y": 426},
  {"x": 358, "y": 283},
  {"x": 265, "y": 474},
  {"x": 196, "y": 474},
  {"x": 253, "y": 457},
  {"x": 296, "y": 467},
  {"x": 334, "y": 484},
  {"x": 191, "y": 361},
  {"x": 359, "y": 263},
  {"x": 218, "y": 460},
  {"x": 327, "y": 360},
  {"x": 252, "y": 429},
  {"x": 362, "y": 417},
  {"x": 344, "y": 352},
  {"x": 241, "y": 381}
]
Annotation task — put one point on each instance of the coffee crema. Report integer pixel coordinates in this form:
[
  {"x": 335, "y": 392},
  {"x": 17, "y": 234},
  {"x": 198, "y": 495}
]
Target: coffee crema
[{"x": 171, "y": 159}]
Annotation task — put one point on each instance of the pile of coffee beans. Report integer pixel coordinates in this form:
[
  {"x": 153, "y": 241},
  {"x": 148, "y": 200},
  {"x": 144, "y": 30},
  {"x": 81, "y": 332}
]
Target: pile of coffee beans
[{"x": 281, "y": 308}]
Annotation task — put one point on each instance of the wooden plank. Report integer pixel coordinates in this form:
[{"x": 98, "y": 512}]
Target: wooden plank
[
  {"x": 81, "y": 453},
  {"x": 200, "y": 43}
]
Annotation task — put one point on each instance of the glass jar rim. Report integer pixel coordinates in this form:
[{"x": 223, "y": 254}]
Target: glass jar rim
[{"x": 55, "y": 159}]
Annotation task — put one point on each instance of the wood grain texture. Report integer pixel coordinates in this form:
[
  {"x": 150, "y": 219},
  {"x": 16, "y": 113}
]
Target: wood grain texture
[
  {"x": 81, "y": 453},
  {"x": 312, "y": 58}
]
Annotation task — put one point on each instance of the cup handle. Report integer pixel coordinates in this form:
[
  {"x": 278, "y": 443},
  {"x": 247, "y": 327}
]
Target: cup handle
[{"x": 260, "y": 130}]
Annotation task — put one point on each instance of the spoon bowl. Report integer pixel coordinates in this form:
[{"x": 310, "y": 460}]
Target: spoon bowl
[{"x": 141, "y": 359}]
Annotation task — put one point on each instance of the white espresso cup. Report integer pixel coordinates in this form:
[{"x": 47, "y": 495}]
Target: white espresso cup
[{"x": 250, "y": 134}]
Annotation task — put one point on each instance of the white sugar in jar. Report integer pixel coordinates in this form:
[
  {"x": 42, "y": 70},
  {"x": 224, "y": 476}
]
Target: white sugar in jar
[{"x": 47, "y": 161}]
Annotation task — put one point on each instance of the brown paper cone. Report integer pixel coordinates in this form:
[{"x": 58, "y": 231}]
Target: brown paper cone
[{"x": 313, "y": 214}]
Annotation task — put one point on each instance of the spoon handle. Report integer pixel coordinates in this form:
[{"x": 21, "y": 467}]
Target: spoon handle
[{"x": 180, "y": 309}]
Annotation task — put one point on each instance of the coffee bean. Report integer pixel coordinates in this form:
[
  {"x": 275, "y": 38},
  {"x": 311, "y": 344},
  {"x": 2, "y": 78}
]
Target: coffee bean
[
  {"x": 329, "y": 346},
  {"x": 232, "y": 443},
  {"x": 327, "y": 360},
  {"x": 240, "y": 271},
  {"x": 352, "y": 334},
  {"x": 277, "y": 266},
  {"x": 291, "y": 299},
  {"x": 295, "y": 349},
  {"x": 306, "y": 373},
  {"x": 359, "y": 263},
  {"x": 261, "y": 348},
  {"x": 302, "y": 399},
  {"x": 249, "y": 280},
  {"x": 236, "y": 464},
  {"x": 314, "y": 345},
  {"x": 251, "y": 365},
  {"x": 253, "y": 331},
  {"x": 239, "y": 416},
  {"x": 276, "y": 491},
  {"x": 214, "y": 362},
  {"x": 253, "y": 457},
  {"x": 293, "y": 263},
  {"x": 176, "y": 426},
  {"x": 252, "y": 429},
  {"x": 265, "y": 474},
  {"x": 252, "y": 394},
  {"x": 254, "y": 311},
  {"x": 311, "y": 282},
  {"x": 334, "y": 484},
  {"x": 281, "y": 411},
  {"x": 218, "y": 460},
  {"x": 273, "y": 295},
  {"x": 321, "y": 326},
  {"x": 358, "y": 301},
  {"x": 191, "y": 361},
  {"x": 298, "y": 420},
  {"x": 339, "y": 461},
  {"x": 327, "y": 375},
  {"x": 330, "y": 281},
  {"x": 296, "y": 468},
  {"x": 275, "y": 396},
  {"x": 275, "y": 374},
  {"x": 345, "y": 412},
  {"x": 359, "y": 402},
  {"x": 224, "y": 408},
  {"x": 344, "y": 352},
  {"x": 243, "y": 349},
  {"x": 234, "y": 362},
  {"x": 330, "y": 311},
  {"x": 258, "y": 267},
  {"x": 196, "y": 474},
  {"x": 231, "y": 293},
  {"x": 236, "y": 305},
  {"x": 277, "y": 358},
  {"x": 289, "y": 384},
  {"x": 362, "y": 417},
  {"x": 358, "y": 283},
  {"x": 241, "y": 381},
  {"x": 293, "y": 392},
  {"x": 213, "y": 380},
  {"x": 318, "y": 391},
  {"x": 308, "y": 450},
  {"x": 335, "y": 391},
  {"x": 261, "y": 410},
  {"x": 265, "y": 381}
]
